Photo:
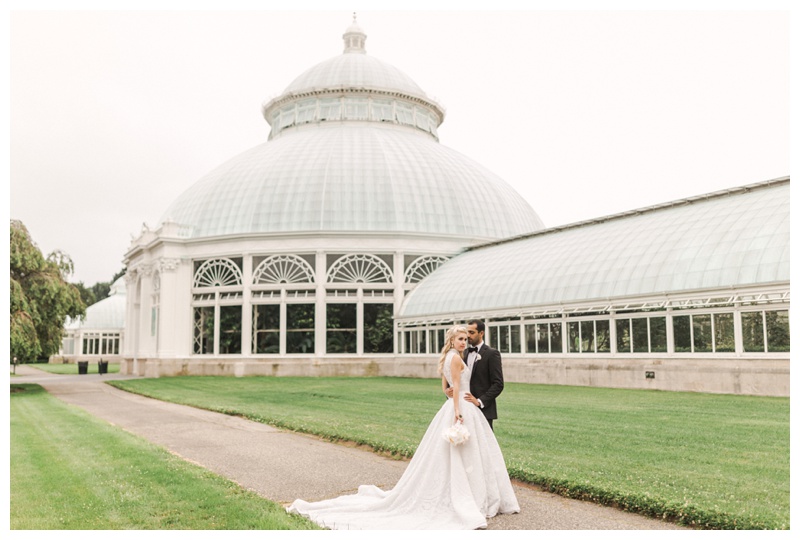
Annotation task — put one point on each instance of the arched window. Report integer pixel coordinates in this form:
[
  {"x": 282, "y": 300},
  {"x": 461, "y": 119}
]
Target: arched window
[
  {"x": 361, "y": 321},
  {"x": 272, "y": 311},
  {"x": 279, "y": 269},
  {"x": 422, "y": 268},
  {"x": 360, "y": 269},
  {"x": 217, "y": 273},
  {"x": 218, "y": 313}
]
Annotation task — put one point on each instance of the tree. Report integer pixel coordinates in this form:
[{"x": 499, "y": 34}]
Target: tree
[
  {"x": 87, "y": 295},
  {"x": 98, "y": 291},
  {"x": 41, "y": 298}
]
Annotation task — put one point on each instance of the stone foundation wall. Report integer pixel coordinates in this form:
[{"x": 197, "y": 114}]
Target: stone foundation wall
[{"x": 750, "y": 376}]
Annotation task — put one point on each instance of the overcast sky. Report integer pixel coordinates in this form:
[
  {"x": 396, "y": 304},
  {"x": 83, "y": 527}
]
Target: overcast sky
[{"x": 586, "y": 113}]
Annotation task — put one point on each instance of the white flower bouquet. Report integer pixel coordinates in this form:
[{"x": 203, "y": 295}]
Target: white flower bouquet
[{"x": 456, "y": 434}]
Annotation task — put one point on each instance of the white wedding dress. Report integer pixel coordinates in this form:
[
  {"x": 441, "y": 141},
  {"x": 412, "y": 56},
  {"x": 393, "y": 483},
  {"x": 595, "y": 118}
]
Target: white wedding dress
[{"x": 443, "y": 487}]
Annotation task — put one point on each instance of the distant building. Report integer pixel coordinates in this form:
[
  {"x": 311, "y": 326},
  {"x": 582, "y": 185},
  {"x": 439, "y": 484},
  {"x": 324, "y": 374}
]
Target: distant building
[
  {"x": 101, "y": 333},
  {"x": 347, "y": 243}
]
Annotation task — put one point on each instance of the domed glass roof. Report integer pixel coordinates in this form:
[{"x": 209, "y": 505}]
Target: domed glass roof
[
  {"x": 107, "y": 314},
  {"x": 354, "y": 71},
  {"x": 353, "y": 178},
  {"x": 353, "y": 148}
]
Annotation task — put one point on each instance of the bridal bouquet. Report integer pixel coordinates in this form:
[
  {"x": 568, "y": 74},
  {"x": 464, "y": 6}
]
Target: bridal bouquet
[{"x": 456, "y": 434}]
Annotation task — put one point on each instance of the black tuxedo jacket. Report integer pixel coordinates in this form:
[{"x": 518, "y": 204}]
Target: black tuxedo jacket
[{"x": 486, "y": 381}]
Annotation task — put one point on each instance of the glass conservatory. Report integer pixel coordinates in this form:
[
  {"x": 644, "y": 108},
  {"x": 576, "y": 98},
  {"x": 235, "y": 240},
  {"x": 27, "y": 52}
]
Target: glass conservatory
[{"x": 332, "y": 249}]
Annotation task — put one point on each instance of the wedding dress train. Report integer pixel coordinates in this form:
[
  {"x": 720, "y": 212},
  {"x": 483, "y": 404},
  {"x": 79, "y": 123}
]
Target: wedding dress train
[{"x": 443, "y": 487}]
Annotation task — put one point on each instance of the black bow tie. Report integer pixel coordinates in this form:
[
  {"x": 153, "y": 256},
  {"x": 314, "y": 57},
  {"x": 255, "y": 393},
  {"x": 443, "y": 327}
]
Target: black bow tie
[{"x": 472, "y": 349}]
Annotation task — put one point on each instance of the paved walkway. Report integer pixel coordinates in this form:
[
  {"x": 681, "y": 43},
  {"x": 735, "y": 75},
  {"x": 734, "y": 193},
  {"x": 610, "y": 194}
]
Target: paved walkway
[{"x": 284, "y": 466}]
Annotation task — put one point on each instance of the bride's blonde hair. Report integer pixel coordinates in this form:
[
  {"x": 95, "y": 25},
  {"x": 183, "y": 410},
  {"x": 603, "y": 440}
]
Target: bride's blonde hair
[{"x": 450, "y": 343}]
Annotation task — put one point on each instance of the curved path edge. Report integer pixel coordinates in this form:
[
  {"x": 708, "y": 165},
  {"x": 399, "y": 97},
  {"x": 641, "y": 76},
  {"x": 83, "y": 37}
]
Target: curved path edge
[{"x": 283, "y": 466}]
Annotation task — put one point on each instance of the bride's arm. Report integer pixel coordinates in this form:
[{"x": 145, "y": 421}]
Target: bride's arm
[{"x": 456, "y": 367}]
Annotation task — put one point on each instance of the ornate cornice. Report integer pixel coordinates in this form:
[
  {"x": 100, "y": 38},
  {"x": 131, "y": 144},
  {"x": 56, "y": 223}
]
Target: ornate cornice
[{"x": 168, "y": 264}]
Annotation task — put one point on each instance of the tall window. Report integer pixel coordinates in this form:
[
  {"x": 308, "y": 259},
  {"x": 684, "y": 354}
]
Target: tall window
[
  {"x": 364, "y": 324},
  {"x": 378, "y": 328},
  {"x": 702, "y": 337},
  {"x": 300, "y": 328},
  {"x": 230, "y": 330},
  {"x": 270, "y": 279},
  {"x": 217, "y": 299},
  {"x": 266, "y": 329},
  {"x": 724, "y": 336},
  {"x": 91, "y": 344},
  {"x": 777, "y": 325},
  {"x": 342, "y": 328},
  {"x": 204, "y": 330}
]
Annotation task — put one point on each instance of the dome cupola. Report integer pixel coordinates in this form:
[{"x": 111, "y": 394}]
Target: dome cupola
[
  {"x": 354, "y": 38},
  {"x": 353, "y": 149},
  {"x": 353, "y": 87}
]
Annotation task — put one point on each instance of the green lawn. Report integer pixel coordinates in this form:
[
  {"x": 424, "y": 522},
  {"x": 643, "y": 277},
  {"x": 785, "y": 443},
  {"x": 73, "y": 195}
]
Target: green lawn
[
  {"x": 72, "y": 369},
  {"x": 705, "y": 460},
  {"x": 71, "y": 471}
]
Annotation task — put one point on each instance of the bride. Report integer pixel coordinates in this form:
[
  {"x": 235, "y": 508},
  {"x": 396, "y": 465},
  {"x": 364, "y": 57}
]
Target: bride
[{"x": 445, "y": 486}]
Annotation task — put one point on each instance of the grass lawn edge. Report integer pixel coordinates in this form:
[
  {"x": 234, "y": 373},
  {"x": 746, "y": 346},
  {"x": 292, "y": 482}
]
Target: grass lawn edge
[{"x": 686, "y": 515}]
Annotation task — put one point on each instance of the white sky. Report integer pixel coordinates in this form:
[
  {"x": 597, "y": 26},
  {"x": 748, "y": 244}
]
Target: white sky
[{"x": 113, "y": 114}]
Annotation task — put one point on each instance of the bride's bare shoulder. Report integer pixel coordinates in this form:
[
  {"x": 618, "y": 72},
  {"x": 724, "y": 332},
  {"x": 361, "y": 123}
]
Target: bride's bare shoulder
[{"x": 455, "y": 359}]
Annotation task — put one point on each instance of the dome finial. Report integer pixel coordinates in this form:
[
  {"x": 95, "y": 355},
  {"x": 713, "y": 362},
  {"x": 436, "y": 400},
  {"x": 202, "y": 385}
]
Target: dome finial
[{"x": 354, "y": 38}]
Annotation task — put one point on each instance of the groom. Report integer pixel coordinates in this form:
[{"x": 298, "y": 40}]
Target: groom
[{"x": 486, "y": 381}]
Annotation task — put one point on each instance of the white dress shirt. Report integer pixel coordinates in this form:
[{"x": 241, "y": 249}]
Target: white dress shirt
[
  {"x": 473, "y": 355},
  {"x": 471, "y": 360}
]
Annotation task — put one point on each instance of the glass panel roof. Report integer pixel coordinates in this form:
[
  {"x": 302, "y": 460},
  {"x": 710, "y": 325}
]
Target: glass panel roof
[
  {"x": 108, "y": 313},
  {"x": 733, "y": 239},
  {"x": 343, "y": 177},
  {"x": 354, "y": 71}
]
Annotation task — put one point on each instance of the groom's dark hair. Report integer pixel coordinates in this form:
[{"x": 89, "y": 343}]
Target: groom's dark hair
[{"x": 478, "y": 324}]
